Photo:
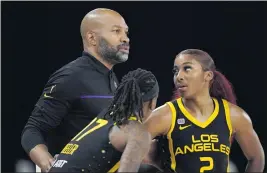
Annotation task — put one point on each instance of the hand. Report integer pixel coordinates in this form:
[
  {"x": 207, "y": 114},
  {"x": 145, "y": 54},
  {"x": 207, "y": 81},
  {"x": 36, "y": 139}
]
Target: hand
[
  {"x": 41, "y": 157},
  {"x": 53, "y": 162},
  {"x": 47, "y": 163},
  {"x": 55, "y": 157}
]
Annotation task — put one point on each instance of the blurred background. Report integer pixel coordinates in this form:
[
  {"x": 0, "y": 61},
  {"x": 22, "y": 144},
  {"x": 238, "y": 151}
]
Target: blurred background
[{"x": 40, "y": 37}]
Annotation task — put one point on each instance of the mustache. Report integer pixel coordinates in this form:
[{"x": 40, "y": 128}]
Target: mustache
[{"x": 123, "y": 45}]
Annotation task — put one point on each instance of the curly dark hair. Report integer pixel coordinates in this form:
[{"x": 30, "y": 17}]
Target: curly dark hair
[{"x": 128, "y": 100}]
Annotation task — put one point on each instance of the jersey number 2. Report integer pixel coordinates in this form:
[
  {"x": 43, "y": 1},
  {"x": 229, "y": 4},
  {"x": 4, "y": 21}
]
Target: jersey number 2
[
  {"x": 86, "y": 131},
  {"x": 209, "y": 167}
]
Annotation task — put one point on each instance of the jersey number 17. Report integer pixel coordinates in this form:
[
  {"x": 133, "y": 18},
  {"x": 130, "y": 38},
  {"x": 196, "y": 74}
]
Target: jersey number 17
[{"x": 87, "y": 130}]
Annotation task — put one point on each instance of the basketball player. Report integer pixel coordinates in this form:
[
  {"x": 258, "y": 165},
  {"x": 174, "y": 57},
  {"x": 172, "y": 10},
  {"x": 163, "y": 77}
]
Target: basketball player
[
  {"x": 198, "y": 127},
  {"x": 112, "y": 136}
]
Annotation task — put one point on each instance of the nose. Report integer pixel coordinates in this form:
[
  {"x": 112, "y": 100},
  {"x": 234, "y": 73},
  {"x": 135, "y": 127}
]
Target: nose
[
  {"x": 180, "y": 76},
  {"x": 125, "y": 38}
]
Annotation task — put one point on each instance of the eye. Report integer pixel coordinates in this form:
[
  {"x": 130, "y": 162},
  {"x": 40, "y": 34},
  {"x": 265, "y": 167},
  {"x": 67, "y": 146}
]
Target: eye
[
  {"x": 175, "y": 70},
  {"x": 117, "y": 31},
  {"x": 187, "y": 68}
]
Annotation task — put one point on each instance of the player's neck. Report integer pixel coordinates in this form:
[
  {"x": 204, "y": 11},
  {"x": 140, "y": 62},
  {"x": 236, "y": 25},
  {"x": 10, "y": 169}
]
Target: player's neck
[
  {"x": 99, "y": 58},
  {"x": 201, "y": 103},
  {"x": 146, "y": 112}
]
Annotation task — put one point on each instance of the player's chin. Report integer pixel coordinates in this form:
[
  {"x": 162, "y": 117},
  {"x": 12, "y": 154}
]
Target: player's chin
[
  {"x": 186, "y": 95},
  {"x": 122, "y": 57}
]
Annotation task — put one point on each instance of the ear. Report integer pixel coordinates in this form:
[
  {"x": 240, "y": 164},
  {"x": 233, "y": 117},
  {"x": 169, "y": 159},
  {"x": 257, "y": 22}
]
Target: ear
[
  {"x": 153, "y": 103},
  {"x": 150, "y": 105},
  {"x": 91, "y": 38},
  {"x": 208, "y": 76}
]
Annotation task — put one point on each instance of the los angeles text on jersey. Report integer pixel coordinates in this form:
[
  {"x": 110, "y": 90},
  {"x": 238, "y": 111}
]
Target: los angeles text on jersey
[{"x": 203, "y": 143}]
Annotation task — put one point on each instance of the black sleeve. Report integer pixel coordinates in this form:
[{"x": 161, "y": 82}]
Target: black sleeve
[{"x": 50, "y": 109}]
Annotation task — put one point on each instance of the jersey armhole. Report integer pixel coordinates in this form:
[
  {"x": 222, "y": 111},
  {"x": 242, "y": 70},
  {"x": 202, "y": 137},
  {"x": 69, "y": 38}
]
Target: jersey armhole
[
  {"x": 173, "y": 112},
  {"x": 169, "y": 136},
  {"x": 228, "y": 117}
]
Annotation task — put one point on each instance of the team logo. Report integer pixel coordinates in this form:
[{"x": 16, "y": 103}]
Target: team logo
[
  {"x": 181, "y": 121},
  {"x": 184, "y": 127}
]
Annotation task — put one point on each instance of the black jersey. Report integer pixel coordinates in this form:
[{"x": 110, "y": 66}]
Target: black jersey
[
  {"x": 194, "y": 146},
  {"x": 90, "y": 150}
]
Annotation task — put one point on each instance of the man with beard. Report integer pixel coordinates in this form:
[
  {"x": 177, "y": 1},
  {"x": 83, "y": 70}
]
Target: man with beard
[{"x": 76, "y": 93}]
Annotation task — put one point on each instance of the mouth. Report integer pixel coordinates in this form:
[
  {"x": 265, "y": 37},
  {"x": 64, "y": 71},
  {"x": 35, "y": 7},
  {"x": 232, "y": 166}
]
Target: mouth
[
  {"x": 182, "y": 87},
  {"x": 124, "y": 51},
  {"x": 124, "y": 48}
]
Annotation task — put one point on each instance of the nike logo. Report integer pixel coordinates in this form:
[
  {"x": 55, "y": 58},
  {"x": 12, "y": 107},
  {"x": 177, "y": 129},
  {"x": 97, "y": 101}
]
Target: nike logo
[
  {"x": 184, "y": 127},
  {"x": 46, "y": 96}
]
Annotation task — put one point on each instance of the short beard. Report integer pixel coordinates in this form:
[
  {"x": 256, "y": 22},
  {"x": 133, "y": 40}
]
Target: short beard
[{"x": 110, "y": 54}]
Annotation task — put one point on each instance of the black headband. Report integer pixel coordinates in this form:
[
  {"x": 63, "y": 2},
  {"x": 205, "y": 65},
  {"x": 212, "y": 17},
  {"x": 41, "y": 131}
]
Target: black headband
[{"x": 151, "y": 93}]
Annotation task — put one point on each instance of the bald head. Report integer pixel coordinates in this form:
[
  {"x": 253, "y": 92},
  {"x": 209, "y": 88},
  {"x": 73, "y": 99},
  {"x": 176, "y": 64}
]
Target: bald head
[
  {"x": 96, "y": 19},
  {"x": 105, "y": 35}
]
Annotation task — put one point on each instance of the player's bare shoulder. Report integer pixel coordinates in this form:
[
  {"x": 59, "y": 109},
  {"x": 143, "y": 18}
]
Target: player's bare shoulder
[
  {"x": 159, "y": 121},
  {"x": 162, "y": 111},
  {"x": 239, "y": 117}
]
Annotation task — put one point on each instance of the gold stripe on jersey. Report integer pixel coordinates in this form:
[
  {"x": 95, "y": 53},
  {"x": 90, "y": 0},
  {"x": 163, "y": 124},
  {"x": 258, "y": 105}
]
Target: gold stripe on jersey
[
  {"x": 134, "y": 118},
  {"x": 228, "y": 118},
  {"x": 229, "y": 124},
  {"x": 131, "y": 118},
  {"x": 193, "y": 119},
  {"x": 169, "y": 136},
  {"x": 84, "y": 128},
  {"x": 115, "y": 167}
]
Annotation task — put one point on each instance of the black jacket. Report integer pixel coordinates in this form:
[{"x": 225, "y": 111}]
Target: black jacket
[{"x": 72, "y": 97}]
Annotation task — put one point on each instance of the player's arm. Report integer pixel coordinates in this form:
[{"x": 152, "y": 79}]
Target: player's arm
[
  {"x": 152, "y": 157},
  {"x": 50, "y": 109},
  {"x": 247, "y": 139},
  {"x": 159, "y": 122},
  {"x": 137, "y": 146}
]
